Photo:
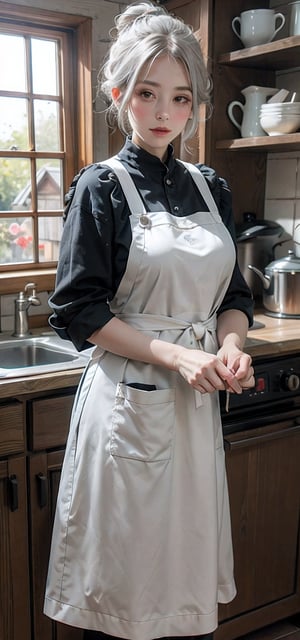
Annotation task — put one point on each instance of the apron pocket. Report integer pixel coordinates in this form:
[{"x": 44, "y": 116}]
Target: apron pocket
[{"x": 142, "y": 424}]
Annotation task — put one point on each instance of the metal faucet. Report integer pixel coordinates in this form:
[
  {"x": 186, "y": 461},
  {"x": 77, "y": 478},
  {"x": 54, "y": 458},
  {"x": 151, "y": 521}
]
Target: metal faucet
[{"x": 22, "y": 304}]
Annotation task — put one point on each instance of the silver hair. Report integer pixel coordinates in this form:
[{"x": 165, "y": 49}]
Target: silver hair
[{"x": 143, "y": 32}]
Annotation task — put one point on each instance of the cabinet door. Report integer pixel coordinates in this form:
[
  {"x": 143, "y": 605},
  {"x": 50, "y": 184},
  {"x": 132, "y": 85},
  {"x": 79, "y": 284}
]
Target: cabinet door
[
  {"x": 12, "y": 428},
  {"x": 14, "y": 566},
  {"x": 264, "y": 479},
  {"x": 49, "y": 420},
  {"x": 44, "y": 472}
]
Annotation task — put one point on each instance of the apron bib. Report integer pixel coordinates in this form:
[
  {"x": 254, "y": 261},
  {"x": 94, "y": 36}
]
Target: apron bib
[{"x": 142, "y": 542}]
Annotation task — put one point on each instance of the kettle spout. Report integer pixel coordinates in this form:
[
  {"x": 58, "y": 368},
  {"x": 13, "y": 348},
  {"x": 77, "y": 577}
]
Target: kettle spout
[{"x": 266, "y": 280}]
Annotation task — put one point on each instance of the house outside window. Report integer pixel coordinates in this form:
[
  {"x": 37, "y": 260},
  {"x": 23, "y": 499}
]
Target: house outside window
[{"x": 45, "y": 129}]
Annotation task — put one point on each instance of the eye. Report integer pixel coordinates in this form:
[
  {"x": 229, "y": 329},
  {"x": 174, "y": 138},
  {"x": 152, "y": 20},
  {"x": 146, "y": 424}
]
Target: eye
[
  {"x": 146, "y": 94},
  {"x": 183, "y": 99}
]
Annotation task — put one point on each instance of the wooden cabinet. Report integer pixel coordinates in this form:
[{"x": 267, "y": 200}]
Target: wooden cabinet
[
  {"x": 33, "y": 433},
  {"x": 14, "y": 558},
  {"x": 264, "y": 479},
  {"x": 242, "y": 161}
]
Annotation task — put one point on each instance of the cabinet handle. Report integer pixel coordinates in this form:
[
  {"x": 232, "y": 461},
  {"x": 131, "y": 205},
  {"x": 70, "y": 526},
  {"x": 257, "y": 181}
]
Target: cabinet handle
[
  {"x": 13, "y": 492},
  {"x": 42, "y": 487},
  {"x": 231, "y": 445}
]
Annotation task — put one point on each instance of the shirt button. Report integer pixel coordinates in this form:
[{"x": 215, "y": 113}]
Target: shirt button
[
  {"x": 176, "y": 208},
  {"x": 168, "y": 182}
]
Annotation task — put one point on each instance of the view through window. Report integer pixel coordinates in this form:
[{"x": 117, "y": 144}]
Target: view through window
[
  {"x": 45, "y": 134},
  {"x": 31, "y": 148}
]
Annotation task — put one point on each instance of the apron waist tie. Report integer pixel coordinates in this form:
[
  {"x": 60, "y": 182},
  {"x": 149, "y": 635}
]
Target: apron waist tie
[
  {"x": 192, "y": 332},
  {"x": 147, "y": 321}
]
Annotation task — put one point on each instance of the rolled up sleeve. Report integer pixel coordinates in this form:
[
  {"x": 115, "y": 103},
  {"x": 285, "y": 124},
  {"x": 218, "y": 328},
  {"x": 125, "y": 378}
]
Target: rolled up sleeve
[{"x": 90, "y": 260}]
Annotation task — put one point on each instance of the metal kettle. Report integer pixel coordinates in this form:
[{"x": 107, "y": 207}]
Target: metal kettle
[{"x": 281, "y": 286}]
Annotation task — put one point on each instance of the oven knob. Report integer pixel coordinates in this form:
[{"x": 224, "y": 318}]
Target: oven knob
[{"x": 290, "y": 382}]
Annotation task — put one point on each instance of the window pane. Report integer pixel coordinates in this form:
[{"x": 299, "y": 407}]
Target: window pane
[
  {"x": 44, "y": 66},
  {"x": 15, "y": 240},
  {"x": 13, "y": 124},
  {"x": 50, "y": 230},
  {"x": 12, "y": 67},
  {"x": 46, "y": 118},
  {"x": 38, "y": 55},
  {"x": 49, "y": 185},
  {"x": 15, "y": 185}
]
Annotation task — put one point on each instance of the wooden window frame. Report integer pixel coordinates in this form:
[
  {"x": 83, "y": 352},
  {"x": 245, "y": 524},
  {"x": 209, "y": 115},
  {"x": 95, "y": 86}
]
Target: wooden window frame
[{"x": 78, "y": 30}]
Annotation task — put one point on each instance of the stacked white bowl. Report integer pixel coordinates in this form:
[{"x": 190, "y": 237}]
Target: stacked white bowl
[{"x": 278, "y": 118}]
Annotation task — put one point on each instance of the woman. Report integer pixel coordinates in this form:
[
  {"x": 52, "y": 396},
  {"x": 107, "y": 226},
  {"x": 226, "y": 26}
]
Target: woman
[{"x": 147, "y": 273}]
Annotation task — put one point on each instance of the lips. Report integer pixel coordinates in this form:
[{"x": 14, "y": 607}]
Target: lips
[{"x": 160, "y": 130}]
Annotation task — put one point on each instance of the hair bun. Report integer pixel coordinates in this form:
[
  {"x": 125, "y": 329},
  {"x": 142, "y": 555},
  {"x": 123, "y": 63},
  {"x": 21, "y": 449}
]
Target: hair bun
[{"x": 136, "y": 12}]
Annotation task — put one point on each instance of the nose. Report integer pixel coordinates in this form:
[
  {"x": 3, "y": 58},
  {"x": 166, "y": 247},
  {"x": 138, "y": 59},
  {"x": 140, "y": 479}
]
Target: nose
[{"x": 162, "y": 115}]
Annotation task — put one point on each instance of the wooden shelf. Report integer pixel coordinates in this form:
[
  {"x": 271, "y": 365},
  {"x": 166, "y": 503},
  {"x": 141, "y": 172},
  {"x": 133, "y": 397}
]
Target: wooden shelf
[
  {"x": 280, "y": 54},
  {"x": 288, "y": 142}
]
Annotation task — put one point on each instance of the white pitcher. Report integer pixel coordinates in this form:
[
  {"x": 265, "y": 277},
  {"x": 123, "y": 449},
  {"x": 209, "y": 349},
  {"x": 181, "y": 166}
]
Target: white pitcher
[{"x": 254, "y": 98}]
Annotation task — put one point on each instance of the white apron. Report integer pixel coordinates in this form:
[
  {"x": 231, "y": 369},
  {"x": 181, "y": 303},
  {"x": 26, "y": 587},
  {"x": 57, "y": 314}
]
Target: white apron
[{"x": 141, "y": 543}]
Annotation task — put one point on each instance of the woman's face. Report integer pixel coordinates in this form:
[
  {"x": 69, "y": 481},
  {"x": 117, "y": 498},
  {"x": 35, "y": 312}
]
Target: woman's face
[{"x": 161, "y": 104}]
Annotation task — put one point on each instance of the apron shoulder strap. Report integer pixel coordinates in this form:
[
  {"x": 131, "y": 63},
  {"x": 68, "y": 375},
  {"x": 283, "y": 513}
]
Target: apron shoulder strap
[
  {"x": 129, "y": 189},
  {"x": 202, "y": 185}
]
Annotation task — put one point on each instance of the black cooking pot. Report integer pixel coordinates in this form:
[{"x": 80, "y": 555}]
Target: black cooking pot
[{"x": 256, "y": 240}]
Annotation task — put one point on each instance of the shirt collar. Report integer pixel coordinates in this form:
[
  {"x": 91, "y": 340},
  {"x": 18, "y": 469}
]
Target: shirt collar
[{"x": 139, "y": 158}]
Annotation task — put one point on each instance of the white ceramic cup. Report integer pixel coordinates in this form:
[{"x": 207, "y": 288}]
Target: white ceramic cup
[
  {"x": 257, "y": 26},
  {"x": 295, "y": 19}
]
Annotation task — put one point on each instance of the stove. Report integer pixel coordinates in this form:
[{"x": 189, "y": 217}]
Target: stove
[{"x": 275, "y": 395}]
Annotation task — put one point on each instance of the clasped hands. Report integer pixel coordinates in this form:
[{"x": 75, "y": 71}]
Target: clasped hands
[{"x": 230, "y": 369}]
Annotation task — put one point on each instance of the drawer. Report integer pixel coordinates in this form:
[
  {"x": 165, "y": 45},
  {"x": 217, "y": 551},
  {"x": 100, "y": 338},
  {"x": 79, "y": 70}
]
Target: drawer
[
  {"x": 49, "y": 421},
  {"x": 12, "y": 428}
]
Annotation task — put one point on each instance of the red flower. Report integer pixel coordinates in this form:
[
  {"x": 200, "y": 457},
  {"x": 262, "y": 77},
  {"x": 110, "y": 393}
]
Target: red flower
[{"x": 23, "y": 241}]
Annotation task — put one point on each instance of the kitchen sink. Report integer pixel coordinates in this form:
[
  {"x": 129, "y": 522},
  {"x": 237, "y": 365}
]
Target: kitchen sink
[
  {"x": 38, "y": 354},
  {"x": 30, "y": 355}
]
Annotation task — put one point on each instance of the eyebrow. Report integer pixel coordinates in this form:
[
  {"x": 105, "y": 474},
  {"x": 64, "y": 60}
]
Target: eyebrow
[{"x": 156, "y": 84}]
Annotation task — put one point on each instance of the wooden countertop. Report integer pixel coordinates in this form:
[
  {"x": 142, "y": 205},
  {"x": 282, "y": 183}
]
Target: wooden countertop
[
  {"x": 273, "y": 336},
  {"x": 269, "y": 337},
  {"x": 29, "y": 385}
]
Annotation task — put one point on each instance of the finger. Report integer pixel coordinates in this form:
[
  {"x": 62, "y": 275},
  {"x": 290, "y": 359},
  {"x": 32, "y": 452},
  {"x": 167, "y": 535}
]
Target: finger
[
  {"x": 243, "y": 367},
  {"x": 248, "y": 376},
  {"x": 248, "y": 383},
  {"x": 207, "y": 386},
  {"x": 229, "y": 378},
  {"x": 213, "y": 382},
  {"x": 233, "y": 384},
  {"x": 209, "y": 380}
]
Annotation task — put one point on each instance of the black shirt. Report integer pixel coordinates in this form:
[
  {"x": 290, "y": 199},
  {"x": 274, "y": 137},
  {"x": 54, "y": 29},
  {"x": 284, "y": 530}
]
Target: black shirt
[{"x": 97, "y": 236}]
